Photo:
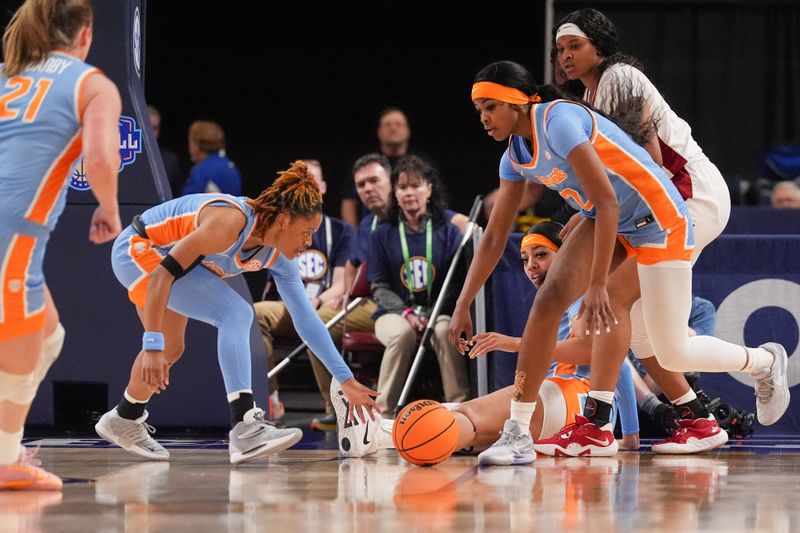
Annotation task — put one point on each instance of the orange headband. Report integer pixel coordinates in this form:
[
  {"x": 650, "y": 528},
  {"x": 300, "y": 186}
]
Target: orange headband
[
  {"x": 502, "y": 93},
  {"x": 536, "y": 239}
]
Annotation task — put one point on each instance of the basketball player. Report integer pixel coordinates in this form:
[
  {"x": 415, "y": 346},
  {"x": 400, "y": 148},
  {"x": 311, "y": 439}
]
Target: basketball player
[
  {"x": 322, "y": 272},
  {"x": 586, "y": 44},
  {"x": 53, "y": 108},
  {"x": 622, "y": 191},
  {"x": 172, "y": 259},
  {"x": 560, "y": 396}
]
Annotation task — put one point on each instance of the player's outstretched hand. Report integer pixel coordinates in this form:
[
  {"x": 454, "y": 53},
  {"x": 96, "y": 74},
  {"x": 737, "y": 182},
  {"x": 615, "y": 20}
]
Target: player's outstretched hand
[
  {"x": 361, "y": 399},
  {"x": 569, "y": 226},
  {"x": 483, "y": 343},
  {"x": 596, "y": 310},
  {"x": 460, "y": 323},
  {"x": 155, "y": 370}
]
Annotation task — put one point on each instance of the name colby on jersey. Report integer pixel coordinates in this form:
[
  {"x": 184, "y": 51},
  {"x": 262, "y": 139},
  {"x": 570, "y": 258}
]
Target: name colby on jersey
[{"x": 53, "y": 65}]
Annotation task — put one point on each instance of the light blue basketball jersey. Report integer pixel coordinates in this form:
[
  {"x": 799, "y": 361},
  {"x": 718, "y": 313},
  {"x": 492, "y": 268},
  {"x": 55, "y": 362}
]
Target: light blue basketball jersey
[
  {"x": 169, "y": 222},
  {"x": 40, "y": 138},
  {"x": 649, "y": 204}
]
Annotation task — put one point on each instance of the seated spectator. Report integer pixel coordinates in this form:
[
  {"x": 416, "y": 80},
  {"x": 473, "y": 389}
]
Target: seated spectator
[
  {"x": 393, "y": 142},
  {"x": 371, "y": 176},
  {"x": 172, "y": 164},
  {"x": 213, "y": 171},
  {"x": 322, "y": 272},
  {"x": 409, "y": 256},
  {"x": 786, "y": 195}
]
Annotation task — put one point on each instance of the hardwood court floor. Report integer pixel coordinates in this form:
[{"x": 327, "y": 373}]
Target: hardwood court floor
[{"x": 751, "y": 486}]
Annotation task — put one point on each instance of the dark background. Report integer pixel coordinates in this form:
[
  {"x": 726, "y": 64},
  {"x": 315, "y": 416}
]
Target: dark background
[{"x": 308, "y": 81}]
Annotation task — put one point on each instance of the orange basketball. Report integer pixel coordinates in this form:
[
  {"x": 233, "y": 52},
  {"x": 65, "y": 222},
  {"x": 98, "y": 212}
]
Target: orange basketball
[{"x": 425, "y": 433}]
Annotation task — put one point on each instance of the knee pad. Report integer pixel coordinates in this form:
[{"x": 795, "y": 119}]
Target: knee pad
[
  {"x": 11, "y": 385},
  {"x": 51, "y": 348}
]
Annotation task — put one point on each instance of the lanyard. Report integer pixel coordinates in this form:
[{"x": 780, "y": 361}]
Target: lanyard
[
  {"x": 374, "y": 223},
  {"x": 428, "y": 257},
  {"x": 328, "y": 245}
]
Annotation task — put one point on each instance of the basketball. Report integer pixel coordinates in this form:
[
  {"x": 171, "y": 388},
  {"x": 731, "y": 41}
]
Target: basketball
[{"x": 425, "y": 433}]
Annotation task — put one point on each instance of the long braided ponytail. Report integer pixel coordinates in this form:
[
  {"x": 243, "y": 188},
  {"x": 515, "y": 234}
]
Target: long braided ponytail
[{"x": 294, "y": 193}]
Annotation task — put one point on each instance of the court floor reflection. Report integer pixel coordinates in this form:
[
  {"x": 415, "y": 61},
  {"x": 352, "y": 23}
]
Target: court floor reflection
[{"x": 313, "y": 490}]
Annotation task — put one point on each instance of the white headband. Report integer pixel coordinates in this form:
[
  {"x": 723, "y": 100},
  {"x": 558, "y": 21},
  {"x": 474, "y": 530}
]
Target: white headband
[{"x": 570, "y": 29}]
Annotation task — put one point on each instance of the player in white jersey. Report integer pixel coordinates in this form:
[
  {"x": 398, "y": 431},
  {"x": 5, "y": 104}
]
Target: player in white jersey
[
  {"x": 587, "y": 49},
  {"x": 53, "y": 107},
  {"x": 589, "y": 159}
]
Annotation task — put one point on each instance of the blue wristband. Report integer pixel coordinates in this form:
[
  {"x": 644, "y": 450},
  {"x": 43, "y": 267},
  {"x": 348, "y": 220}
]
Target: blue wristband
[{"x": 153, "y": 340}]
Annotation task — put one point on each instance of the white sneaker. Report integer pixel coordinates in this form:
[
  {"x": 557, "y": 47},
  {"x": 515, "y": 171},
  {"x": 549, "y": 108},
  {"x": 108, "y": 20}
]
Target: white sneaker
[
  {"x": 356, "y": 438},
  {"x": 254, "y": 437},
  {"x": 513, "y": 447},
  {"x": 772, "y": 389},
  {"x": 131, "y": 435}
]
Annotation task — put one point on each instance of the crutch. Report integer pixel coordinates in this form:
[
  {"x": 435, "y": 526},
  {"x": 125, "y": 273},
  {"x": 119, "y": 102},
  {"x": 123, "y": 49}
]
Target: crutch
[
  {"x": 426, "y": 335},
  {"x": 328, "y": 325}
]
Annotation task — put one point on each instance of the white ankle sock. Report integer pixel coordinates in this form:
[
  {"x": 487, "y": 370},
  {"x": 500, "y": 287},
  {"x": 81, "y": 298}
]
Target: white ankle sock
[
  {"x": 9, "y": 447},
  {"x": 759, "y": 360},
  {"x": 134, "y": 400},
  {"x": 602, "y": 395},
  {"x": 686, "y": 398},
  {"x": 521, "y": 412}
]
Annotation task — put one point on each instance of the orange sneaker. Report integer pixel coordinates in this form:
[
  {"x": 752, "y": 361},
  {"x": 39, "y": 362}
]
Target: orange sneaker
[{"x": 26, "y": 474}]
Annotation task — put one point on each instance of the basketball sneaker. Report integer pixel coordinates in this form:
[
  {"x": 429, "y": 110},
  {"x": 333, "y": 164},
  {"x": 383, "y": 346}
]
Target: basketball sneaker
[
  {"x": 27, "y": 474},
  {"x": 276, "y": 409},
  {"x": 772, "y": 389},
  {"x": 693, "y": 436},
  {"x": 578, "y": 439},
  {"x": 254, "y": 437},
  {"x": 131, "y": 435},
  {"x": 513, "y": 447},
  {"x": 357, "y": 438}
]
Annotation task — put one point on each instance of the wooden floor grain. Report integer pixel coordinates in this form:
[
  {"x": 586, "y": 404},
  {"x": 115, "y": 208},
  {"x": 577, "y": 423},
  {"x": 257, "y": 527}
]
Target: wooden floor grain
[{"x": 312, "y": 490}]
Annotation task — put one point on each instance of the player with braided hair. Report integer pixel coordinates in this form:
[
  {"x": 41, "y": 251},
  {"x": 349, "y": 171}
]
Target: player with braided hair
[{"x": 172, "y": 259}]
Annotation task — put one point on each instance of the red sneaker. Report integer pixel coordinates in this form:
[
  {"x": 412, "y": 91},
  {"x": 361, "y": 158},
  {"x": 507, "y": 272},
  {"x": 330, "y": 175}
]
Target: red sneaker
[
  {"x": 276, "y": 409},
  {"x": 27, "y": 475},
  {"x": 579, "y": 439},
  {"x": 693, "y": 436}
]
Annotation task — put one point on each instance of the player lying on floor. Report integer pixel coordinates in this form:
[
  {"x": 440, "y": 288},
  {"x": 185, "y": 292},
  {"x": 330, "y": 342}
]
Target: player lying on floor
[{"x": 562, "y": 394}]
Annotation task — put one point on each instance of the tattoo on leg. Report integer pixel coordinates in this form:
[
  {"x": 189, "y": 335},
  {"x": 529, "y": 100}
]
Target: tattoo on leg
[{"x": 519, "y": 383}]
